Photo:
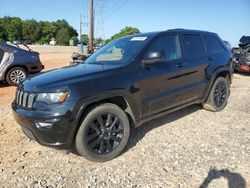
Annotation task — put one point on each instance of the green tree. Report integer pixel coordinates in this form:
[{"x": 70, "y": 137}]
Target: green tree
[
  {"x": 61, "y": 24},
  {"x": 99, "y": 40},
  {"x": 13, "y": 27},
  {"x": 64, "y": 32},
  {"x": 124, "y": 32},
  {"x": 75, "y": 39},
  {"x": 85, "y": 38},
  {"x": 63, "y": 36},
  {"x": 31, "y": 30},
  {"x": 49, "y": 30},
  {"x": 3, "y": 34},
  {"x": 72, "y": 31}
]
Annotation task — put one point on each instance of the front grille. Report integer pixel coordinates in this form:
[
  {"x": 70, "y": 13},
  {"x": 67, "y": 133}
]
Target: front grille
[{"x": 24, "y": 99}]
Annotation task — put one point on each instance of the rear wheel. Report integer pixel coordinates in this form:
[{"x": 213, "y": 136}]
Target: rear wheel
[
  {"x": 217, "y": 99},
  {"x": 103, "y": 133},
  {"x": 15, "y": 76}
]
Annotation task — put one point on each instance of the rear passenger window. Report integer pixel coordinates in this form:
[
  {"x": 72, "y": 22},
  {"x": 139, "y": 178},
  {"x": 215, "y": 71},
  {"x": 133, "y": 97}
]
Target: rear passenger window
[
  {"x": 194, "y": 46},
  {"x": 213, "y": 44},
  {"x": 169, "y": 45}
]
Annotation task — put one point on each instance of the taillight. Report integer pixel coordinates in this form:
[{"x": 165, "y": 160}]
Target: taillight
[{"x": 245, "y": 68}]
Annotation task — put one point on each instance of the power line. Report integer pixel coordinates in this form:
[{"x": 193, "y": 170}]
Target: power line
[
  {"x": 100, "y": 19},
  {"x": 116, "y": 8},
  {"x": 85, "y": 18}
]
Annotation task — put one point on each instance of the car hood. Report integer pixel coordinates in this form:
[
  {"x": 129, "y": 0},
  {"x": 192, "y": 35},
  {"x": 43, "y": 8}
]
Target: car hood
[{"x": 63, "y": 76}]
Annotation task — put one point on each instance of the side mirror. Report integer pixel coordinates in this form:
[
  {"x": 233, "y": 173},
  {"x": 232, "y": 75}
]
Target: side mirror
[{"x": 154, "y": 57}]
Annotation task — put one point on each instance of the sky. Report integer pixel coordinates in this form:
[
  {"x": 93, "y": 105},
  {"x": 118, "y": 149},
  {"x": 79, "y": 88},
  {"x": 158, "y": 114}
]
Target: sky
[{"x": 229, "y": 18}]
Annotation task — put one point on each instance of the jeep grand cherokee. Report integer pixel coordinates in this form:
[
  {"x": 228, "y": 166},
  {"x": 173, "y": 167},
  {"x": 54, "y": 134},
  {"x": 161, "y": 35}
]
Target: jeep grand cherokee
[{"x": 92, "y": 106}]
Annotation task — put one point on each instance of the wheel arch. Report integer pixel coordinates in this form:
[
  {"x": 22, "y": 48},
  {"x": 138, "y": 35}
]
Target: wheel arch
[
  {"x": 119, "y": 100},
  {"x": 223, "y": 72},
  {"x": 14, "y": 66}
]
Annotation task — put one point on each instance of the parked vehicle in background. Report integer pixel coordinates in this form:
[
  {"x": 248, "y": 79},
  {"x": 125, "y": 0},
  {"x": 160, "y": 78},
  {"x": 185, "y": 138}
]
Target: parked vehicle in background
[
  {"x": 78, "y": 58},
  {"x": 241, "y": 55},
  {"x": 16, "y": 63},
  {"x": 92, "y": 105}
]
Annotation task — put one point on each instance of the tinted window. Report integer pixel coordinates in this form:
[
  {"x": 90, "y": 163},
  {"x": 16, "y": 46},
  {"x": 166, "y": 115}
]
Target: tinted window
[
  {"x": 194, "y": 46},
  {"x": 168, "y": 45},
  {"x": 119, "y": 51},
  {"x": 213, "y": 44}
]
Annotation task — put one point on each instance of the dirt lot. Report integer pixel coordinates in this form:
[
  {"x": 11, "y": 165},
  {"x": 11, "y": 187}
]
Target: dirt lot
[{"x": 188, "y": 148}]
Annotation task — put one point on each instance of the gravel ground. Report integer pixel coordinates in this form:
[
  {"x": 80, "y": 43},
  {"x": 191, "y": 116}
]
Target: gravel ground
[{"x": 188, "y": 148}]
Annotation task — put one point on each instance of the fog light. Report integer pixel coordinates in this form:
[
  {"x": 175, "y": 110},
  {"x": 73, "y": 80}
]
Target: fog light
[{"x": 42, "y": 125}]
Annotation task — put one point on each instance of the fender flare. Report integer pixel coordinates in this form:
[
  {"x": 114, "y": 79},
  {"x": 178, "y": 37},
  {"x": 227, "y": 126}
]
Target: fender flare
[
  {"x": 218, "y": 71},
  {"x": 84, "y": 103}
]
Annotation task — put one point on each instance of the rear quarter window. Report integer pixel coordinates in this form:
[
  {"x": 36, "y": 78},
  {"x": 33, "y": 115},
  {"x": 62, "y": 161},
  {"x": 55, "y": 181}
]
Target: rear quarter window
[
  {"x": 194, "y": 45},
  {"x": 213, "y": 44}
]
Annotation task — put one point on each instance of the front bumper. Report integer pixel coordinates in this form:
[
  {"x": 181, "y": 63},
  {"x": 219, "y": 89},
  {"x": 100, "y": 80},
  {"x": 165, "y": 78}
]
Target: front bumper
[{"x": 59, "y": 130}]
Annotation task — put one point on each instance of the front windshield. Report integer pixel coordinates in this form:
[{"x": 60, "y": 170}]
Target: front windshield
[{"x": 119, "y": 51}]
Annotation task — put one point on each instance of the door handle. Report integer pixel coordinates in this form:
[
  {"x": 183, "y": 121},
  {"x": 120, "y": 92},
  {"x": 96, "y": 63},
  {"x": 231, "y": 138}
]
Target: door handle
[{"x": 181, "y": 64}]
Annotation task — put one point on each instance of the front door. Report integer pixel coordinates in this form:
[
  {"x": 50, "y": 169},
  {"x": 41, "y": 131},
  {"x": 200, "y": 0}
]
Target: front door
[{"x": 163, "y": 85}]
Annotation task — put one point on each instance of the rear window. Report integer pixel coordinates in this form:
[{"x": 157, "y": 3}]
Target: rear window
[
  {"x": 194, "y": 46},
  {"x": 213, "y": 44}
]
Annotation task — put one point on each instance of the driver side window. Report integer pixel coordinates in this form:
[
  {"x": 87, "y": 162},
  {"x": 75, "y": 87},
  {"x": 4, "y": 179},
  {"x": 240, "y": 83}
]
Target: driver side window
[{"x": 169, "y": 45}]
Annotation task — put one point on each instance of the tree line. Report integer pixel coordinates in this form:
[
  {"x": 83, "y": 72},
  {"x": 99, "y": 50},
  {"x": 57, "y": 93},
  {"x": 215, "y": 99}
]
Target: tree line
[
  {"x": 16, "y": 29},
  {"x": 41, "y": 32},
  {"x": 123, "y": 32}
]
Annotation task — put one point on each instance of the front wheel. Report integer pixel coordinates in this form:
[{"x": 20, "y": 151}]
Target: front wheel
[
  {"x": 15, "y": 76},
  {"x": 218, "y": 96},
  {"x": 103, "y": 133}
]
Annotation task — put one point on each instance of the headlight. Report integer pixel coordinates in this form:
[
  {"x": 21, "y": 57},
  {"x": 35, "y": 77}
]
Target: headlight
[{"x": 52, "y": 98}]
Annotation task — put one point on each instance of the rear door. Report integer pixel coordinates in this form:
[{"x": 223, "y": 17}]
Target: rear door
[
  {"x": 215, "y": 50},
  {"x": 196, "y": 57}
]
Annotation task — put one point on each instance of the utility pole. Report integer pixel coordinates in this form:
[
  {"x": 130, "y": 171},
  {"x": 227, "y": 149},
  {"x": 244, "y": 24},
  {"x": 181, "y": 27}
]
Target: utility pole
[{"x": 91, "y": 32}]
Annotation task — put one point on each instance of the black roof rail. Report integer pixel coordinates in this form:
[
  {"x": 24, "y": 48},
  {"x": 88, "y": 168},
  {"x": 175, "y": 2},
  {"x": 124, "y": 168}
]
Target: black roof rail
[{"x": 175, "y": 29}]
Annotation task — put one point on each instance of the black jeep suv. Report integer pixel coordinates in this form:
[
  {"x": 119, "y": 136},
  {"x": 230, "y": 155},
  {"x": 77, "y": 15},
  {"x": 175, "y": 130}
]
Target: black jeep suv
[{"x": 92, "y": 106}]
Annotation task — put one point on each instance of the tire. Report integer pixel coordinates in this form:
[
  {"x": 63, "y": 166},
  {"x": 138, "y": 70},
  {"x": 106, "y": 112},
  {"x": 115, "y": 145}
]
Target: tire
[
  {"x": 218, "y": 96},
  {"x": 103, "y": 133},
  {"x": 15, "y": 75}
]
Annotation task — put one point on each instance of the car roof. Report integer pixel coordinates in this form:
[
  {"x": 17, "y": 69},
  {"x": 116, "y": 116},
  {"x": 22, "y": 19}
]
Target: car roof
[
  {"x": 186, "y": 31},
  {"x": 11, "y": 47}
]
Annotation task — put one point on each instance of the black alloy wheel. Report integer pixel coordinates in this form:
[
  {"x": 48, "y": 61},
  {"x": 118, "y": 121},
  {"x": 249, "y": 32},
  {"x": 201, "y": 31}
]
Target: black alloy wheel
[
  {"x": 218, "y": 96},
  {"x": 104, "y": 133}
]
